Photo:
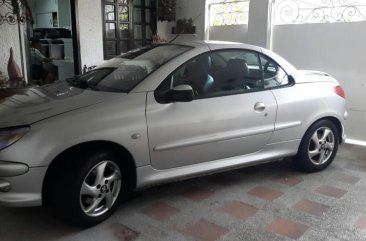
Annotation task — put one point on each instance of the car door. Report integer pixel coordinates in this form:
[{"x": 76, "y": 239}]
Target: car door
[{"x": 231, "y": 113}]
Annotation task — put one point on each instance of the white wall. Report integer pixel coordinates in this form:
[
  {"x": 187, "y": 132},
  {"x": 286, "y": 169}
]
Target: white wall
[
  {"x": 259, "y": 28},
  {"x": 338, "y": 49},
  {"x": 91, "y": 33},
  {"x": 233, "y": 33},
  {"x": 165, "y": 29}
]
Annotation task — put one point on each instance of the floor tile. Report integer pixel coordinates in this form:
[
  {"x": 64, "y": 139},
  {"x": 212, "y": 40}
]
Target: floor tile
[
  {"x": 205, "y": 231},
  {"x": 124, "y": 233},
  {"x": 311, "y": 207},
  {"x": 239, "y": 210},
  {"x": 288, "y": 180},
  {"x": 288, "y": 228},
  {"x": 197, "y": 194},
  {"x": 356, "y": 167},
  {"x": 331, "y": 191},
  {"x": 361, "y": 223},
  {"x": 346, "y": 178},
  {"x": 160, "y": 211},
  {"x": 225, "y": 180},
  {"x": 265, "y": 193}
]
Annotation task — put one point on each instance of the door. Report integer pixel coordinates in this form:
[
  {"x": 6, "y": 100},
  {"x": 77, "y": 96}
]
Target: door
[
  {"x": 231, "y": 114},
  {"x": 127, "y": 25}
]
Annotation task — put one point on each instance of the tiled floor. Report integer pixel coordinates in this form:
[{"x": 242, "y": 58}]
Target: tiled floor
[{"x": 267, "y": 202}]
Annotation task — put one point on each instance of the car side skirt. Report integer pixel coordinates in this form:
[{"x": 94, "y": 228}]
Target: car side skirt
[{"x": 148, "y": 176}]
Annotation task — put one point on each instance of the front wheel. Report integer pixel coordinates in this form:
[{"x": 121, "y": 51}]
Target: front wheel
[
  {"x": 319, "y": 147},
  {"x": 90, "y": 190}
]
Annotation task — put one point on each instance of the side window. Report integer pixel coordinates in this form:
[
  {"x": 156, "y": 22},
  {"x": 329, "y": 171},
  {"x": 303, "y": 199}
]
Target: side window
[
  {"x": 273, "y": 74},
  {"x": 218, "y": 73},
  {"x": 236, "y": 71},
  {"x": 195, "y": 73}
]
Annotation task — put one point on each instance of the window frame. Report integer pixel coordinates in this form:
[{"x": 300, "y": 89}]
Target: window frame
[
  {"x": 291, "y": 81},
  {"x": 213, "y": 3},
  {"x": 130, "y": 40}
]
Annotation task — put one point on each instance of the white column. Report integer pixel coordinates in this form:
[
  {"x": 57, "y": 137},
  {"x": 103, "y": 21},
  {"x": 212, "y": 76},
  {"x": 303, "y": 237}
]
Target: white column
[{"x": 260, "y": 23}]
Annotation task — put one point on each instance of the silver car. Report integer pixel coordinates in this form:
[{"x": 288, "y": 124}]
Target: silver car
[{"x": 162, "y": 113}]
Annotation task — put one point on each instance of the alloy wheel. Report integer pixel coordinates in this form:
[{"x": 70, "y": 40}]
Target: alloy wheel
[
  {"x": 321, "y": 146},
  {"x": 100, "y": 188}
]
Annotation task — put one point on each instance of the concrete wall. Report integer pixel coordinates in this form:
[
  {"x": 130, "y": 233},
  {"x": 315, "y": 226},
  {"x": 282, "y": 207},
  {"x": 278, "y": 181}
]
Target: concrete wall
[
  {"x": 165, "y": 29},
  {"x": 234, "y": 33},
  {"x": 338, "y": 49},
  {"x": 90, "y": 30},
  {"x": 259, "y": 27}
]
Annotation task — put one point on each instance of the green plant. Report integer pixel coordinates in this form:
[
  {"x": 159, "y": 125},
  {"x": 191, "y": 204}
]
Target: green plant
[{"x": 166, "y": 10}]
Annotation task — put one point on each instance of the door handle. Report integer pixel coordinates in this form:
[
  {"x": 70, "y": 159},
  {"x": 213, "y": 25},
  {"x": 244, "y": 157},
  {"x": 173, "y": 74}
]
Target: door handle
[{"x": 259, "y": 107}]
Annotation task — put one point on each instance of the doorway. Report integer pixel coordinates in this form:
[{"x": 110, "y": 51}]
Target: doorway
[{"x": 52, "y": 37}]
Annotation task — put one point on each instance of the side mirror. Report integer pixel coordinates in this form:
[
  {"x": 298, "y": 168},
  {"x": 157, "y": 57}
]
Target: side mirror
[
  {"x": 291, "y": 80},
  {"x": 180, "y": 93}
]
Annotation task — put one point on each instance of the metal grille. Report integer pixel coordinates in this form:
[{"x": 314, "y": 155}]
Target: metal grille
[
  {"x": 319, "y": 11},
  {"x": 228, "y": 12}
]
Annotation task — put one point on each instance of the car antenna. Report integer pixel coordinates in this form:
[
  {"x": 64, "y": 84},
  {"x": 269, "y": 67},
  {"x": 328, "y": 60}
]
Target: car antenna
[{"x": 182, "y": 32}]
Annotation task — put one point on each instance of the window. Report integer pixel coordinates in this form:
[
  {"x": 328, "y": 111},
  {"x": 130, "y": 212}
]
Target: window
[
  {"x": 218, "y": 73},
  {"x": 127, "y": 25},
  {"x": 228, "y": 12},
  {"x": 273, "y": 75},
  {"x": 315, "y": 11},
  {"x": 129, "y": 69}
]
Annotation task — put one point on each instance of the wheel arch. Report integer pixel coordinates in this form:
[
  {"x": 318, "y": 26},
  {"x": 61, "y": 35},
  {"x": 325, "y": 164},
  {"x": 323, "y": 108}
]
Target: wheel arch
[
  {"x": 59, "y": 162},
  {"x": 336, "y": 122}
]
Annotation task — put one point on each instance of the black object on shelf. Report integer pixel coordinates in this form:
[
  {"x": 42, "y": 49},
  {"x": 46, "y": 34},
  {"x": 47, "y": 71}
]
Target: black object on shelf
[{"x": 52, "y": 33}]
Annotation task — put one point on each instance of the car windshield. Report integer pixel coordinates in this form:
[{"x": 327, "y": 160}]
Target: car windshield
[{"x": 123, "y": 73}]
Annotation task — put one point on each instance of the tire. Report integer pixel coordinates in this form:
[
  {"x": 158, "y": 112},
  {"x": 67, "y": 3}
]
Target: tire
[
  {"x": 318, "y": 147},
  {"x": 90, "y": 189}
]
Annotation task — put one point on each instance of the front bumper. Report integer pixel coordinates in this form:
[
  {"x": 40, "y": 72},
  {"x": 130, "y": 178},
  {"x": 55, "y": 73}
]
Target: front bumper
[{"x": 24, "y": 190}]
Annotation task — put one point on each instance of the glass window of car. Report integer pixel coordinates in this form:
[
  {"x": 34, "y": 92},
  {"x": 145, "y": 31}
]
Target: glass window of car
[
  {"x": 273, "y": 75},
  {"x": 124, "y": 72},
  {"x": 218, "y": 73}
]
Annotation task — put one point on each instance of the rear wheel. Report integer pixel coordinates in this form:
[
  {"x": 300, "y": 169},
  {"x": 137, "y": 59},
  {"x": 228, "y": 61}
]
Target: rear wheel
[
  {"x": 90, "y": 190},
  {"x": 318, "y": 147}
]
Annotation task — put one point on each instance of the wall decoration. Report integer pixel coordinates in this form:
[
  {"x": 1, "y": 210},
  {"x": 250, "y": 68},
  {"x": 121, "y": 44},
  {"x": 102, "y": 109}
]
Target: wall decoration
[
  {"x": 315, "y": 11},
  {"x": 15, "y": 11}
]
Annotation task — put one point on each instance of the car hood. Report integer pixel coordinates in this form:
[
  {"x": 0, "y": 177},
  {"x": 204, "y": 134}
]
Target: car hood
[{"x": 27, "y": 106}]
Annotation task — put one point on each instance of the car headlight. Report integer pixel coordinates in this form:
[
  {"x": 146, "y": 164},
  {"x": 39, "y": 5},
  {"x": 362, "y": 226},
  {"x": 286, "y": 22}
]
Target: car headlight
[{"x": 9, "y": 136}]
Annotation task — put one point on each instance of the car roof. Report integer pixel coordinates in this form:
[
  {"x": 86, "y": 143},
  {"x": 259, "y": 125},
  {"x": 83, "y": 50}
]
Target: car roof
[{"x": 216, "y": 44}]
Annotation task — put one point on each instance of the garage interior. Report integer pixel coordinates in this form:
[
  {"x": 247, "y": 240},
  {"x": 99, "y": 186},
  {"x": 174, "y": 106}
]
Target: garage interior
[
  {"x": 267, "y": 202},
  {"x": 272, "y": 201}
]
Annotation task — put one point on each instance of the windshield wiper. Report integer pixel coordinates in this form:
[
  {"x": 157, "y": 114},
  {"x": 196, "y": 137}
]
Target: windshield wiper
[{"x": 81, "y": 83}]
